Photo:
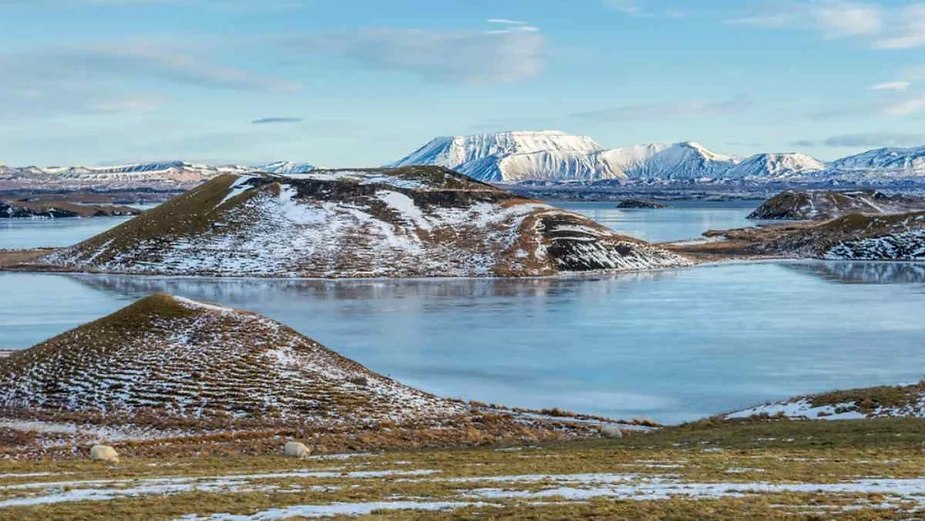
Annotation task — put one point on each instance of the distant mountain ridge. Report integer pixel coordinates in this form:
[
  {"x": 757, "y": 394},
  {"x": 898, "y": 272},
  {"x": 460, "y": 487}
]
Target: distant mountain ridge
[
  {"x": 515, "y": 157},
  {"x": 518, "y": 157},
  {"x": 155, "y": 175}
]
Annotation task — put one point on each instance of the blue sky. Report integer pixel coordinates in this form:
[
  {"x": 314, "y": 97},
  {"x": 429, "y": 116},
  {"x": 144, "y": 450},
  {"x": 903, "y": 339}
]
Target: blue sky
[{"x": 364, "y": 82}]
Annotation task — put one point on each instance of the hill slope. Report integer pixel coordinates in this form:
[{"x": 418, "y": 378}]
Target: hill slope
[
  {"x": 871, "y": 402},
  {"x": 858, "y": 237},
  {"x": 184, "y": 358},
  {"x": 408, "y": 222},
  {"x": 802, "y": 205}
]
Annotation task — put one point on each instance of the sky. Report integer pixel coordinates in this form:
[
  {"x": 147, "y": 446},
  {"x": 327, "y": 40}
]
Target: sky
[{"x": 365, "y": 82}]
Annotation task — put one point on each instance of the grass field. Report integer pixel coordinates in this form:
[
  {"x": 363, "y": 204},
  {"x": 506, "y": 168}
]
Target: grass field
[{"x": 865, "y": 469}]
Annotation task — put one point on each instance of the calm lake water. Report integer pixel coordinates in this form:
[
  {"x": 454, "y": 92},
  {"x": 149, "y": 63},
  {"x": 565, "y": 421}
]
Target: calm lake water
[
  {"x": 35, "y": 233},
  {"x": 673, "y": 345},
  {"x": 681, "y": 220}
]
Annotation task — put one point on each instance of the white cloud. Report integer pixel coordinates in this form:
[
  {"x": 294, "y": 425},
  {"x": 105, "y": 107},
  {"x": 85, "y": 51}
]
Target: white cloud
[
  {"x": 679, "y": 109},
  {"x": 112, "y": 78},
  {"x": 905, "y": 107},
  {"x": 775, "y": 20},
  {"x": 907, "y": 30},
  {"x": 506, "y": 21},
  {"x": 477, "y": 57},
  {"x": 867, "y": 140},
  {"x": 630, "y": 7},
  {"x": 882, "y": 27},
  {"x": 640, "y": 8},
  {"x": 138, "y": 103},
  {"x": 891, "y": 85},
  {"x": 838, "y": 18}
]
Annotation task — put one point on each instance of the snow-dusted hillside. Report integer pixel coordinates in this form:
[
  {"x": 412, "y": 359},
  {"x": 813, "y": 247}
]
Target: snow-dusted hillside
[
  {"x": 856, "y": 236},
  {"x": 407, "y": 222},
  {"x": 513, "y": 157},
  {"x": 827, "y": 204},
  {"x": 853, "y": 404},
  {"x": 882, "y": 163},
  {"x": 776, "y": 166},
  {"x": 185, "y": 358}
]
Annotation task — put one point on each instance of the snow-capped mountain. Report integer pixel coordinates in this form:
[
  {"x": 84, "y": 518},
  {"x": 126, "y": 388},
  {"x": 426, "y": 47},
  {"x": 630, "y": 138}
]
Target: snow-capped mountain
[
  {"x": 285, "y": 167},
  {"x": 516, "y": 156},
  {"x": 887, "y": 162},
  {"x": 164, "y": 175},
  {"x": 778, "y": 166},
  {"x": 157, "y": 175},
  {"x": 660, "y": 162},
  {"x": 512, "y": 157}
]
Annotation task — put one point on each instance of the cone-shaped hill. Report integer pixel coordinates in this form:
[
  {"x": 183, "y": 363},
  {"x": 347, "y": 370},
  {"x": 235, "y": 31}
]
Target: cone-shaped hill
[
  {"x": 179, "y": 358},
  {"x": 403, "y": 222},
  {"x": 828, "y": 204}
]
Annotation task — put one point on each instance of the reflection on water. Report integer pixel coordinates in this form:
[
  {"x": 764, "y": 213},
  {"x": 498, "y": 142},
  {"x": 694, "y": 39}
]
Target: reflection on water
[
  {"x": 674, "y": 345},
  {"x": 35, "y": 233},
  {"x": 435, "y": 292},
  {"x": 682, "y": 220},
  {"x": 855, "y": 272}
]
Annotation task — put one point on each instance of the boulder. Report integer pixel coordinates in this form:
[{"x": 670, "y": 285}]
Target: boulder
[
  {"x": 104, "y": 453},
  {"x": 295, "y": 449}
]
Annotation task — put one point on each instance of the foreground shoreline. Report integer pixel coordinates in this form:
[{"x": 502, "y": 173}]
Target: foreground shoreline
[{"x": 853, "y": 469}]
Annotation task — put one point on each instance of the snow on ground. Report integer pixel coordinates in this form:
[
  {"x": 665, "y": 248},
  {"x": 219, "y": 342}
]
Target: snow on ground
[
  {"x": 650, "y": 488},
  {"x": 803, "y": 408},
  {"x": 392, "y": 232},
  {"x": 364, "y": 177},
  {"x": 908, "y": 245},
  {"x": 106, "y": 490},
  {"x": 473, "y": 491},
  {"x": 252, "y": 363},
  {"x": 337, "y": 509},
  {"x": 237, "y": 188}
]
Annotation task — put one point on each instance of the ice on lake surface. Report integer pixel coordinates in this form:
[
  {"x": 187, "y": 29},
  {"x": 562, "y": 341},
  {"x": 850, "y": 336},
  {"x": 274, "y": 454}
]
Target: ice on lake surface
[
  {"x": 681, "y": 220},
  {"x": 673, "y": 345}
]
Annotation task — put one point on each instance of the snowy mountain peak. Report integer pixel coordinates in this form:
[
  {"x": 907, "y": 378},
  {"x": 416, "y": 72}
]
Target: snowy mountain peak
[
  {"x": 555, "y": 156},
  {"x": 286, "y": 167},
  {"x": 704, "y": 151},
  {"x": 514, "y": 156},
  {"x": 778, "y": 166},
  {"x": 904, "y": 162}
]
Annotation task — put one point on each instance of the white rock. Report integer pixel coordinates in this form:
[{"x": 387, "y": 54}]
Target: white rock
[
  {"x": 611, "y": 432},
  {"x": 104, "y": 453},
  {"x": 295, "y": 449}
]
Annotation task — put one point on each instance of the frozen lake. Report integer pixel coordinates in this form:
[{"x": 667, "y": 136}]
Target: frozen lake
[{"x": 673, "y": 345}]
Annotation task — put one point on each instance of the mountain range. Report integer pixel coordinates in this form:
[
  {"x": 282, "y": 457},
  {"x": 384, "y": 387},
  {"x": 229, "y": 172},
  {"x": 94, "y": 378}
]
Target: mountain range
[
  {"x": 516, "y": 157},
  {"x": 519, "y": 157}
]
